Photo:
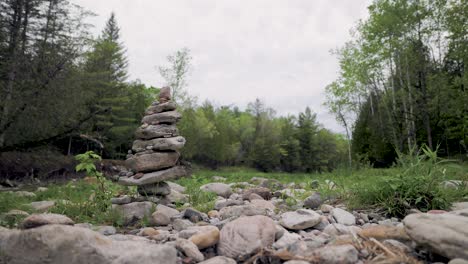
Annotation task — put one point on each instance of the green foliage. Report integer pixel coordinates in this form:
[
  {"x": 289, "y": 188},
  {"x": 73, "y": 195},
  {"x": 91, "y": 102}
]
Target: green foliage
[
  {"x": 87, "y": 164},
  {"x": 402, "y": 82},
  {"x": 417, "y": 184},
  {"x": 225, "y": 136}
]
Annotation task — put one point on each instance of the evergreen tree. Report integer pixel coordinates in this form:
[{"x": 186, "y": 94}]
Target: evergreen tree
[
  {"x": 106, "y": 66},
  {"x": 307, "y": 129}
]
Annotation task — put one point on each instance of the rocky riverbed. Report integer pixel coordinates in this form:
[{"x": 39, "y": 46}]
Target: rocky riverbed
[{"x": 249, "y": 223}]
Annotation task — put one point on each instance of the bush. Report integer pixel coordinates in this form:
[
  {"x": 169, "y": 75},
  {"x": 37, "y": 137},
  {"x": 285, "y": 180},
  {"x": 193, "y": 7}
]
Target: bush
[{"x": 416, "y": 185}]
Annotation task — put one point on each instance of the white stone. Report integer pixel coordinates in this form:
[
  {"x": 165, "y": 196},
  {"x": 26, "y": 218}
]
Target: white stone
[
  {"x": 300, "y": 219},
  {"x": 343, "y": 217}
]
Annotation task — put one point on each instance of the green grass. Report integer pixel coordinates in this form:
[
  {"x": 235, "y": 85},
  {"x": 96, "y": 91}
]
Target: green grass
[{"x": 414, "y": 183}]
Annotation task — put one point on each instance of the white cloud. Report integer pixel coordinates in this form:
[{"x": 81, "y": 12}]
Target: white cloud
[{"x": 276, "y": 50}]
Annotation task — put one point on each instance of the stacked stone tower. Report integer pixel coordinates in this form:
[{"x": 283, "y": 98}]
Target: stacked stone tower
[{"x": 154, "y": 157}]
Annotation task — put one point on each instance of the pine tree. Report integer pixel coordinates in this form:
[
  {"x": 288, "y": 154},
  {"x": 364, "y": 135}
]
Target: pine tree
[
  {"x": 307, "y": 129},
  {"x": 106, "y": 66}
]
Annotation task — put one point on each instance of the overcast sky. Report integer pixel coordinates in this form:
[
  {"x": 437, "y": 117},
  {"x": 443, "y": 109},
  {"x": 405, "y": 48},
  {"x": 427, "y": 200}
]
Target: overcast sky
[{"x": 276, "y": 50}]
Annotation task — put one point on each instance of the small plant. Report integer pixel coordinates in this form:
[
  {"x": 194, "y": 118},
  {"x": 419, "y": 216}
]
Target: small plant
[{"x": 87, "y": 163}]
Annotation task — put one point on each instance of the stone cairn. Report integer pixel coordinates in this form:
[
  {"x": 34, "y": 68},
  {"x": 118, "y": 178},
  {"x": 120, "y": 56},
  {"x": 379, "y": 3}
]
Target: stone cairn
[{"x": 154, "y": 157}]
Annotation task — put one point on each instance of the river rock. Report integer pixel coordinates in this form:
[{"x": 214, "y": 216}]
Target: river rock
[
  {"x": 342, "y": 254},
  {"x": 121, "y": 200},
  {"x": 265, "y": 193},
  {"x": 205, "y": 236},
  {"x": 220, "y": 189},
  {"x": 157, "y": 176},
  {"x": 156, "y": 131},
  {"x": 162, "y": 215},
  {"x": 445, "y": 234},
  {"x": 241, "y": 210},
  {"x": 170, "y": 117},
  {"x": 300, "y": 219},
  {"x": 459, "y": 206},
  {"x": 343, "y": 217},
  {"x": 220, "y": 204},
  {"x": 76, "y": 245},
  {"x": 152, "y": 162},
  {"x": 314, "y": 201},
  {"x": 42, "y": 206},
  {"x": 219, "y": 260},
  {"x": 24, "y": 194},
  {"x": 160, "y": 188},
  {"x": 382, "y": 232},
  {"x": 176, "y": 187},
  {"x": 245, "y": 236},
  {"x": 36, "y": 220},
  {"x": 176, "y": 197},
  {"x": 193, "y": 214},
  {"x": 286, "y": 240},
  {"x": 106, "y": 230},
  {"x": 181, "y": 224},
  {"x": 173, "y": 143},
  {"x": 263, "y": 204},
  {"x": 189, "y": 249},
  {"x": 133, "y": 211}
]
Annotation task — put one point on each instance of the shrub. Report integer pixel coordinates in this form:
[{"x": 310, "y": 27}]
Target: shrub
[{"x": 416, "y": 185}]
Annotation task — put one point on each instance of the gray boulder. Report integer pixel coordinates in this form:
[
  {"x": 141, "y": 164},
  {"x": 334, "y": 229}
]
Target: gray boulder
[
  {"x": 445, "y": 234},
  {"x": 245, "y": 236},
  {"x": 76, "y": 245},
  {"x": 220, "y": 189},
  {"x": 314, "y": 201}
]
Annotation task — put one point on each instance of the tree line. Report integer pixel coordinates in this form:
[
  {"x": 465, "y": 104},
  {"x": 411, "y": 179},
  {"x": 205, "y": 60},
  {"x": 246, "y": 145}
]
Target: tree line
[
  {"x": 64, "y": 89},
  {"x": 403, "y": 80}
]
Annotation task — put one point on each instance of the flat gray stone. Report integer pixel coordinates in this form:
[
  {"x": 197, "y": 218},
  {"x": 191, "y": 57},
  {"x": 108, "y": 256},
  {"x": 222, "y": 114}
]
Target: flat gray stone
[
  {"x": 300, "y": 219},
  {"x": 241, "y": 210},
  {"x": 158, "y": 144},
  {"x": 158, "y": 108},
  {"x": 36, "y": 220},
  {"x": 152, "y": 162},
  {"x": 157, "y": 176},
  {"x": 170, "y": 117},
  {"x": 156, "y": 131}
]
